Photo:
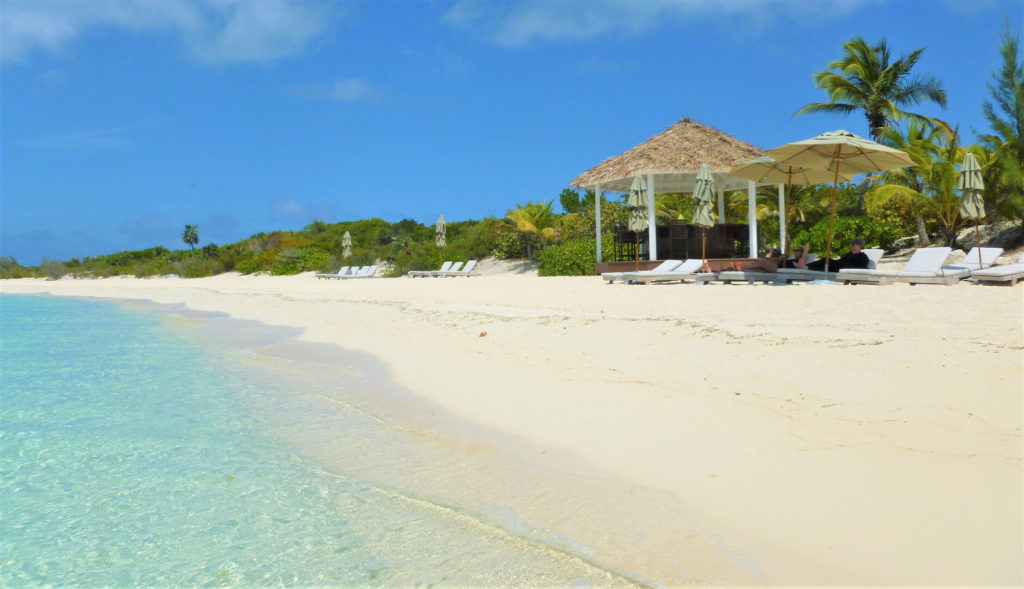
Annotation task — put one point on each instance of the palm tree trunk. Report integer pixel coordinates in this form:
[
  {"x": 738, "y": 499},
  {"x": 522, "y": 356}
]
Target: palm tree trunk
[{"x": 922, "y": 233}]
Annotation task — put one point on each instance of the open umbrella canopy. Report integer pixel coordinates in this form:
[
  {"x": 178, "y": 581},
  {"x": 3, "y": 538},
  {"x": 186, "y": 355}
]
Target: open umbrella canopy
[
  {"x": 704, "y": 192},
  {"x": 766, "y": 170},
  {"x": 840, "y": 151},
  {"x": 637, "y": 203},
  {"x": 972, "y": 206},
  {"x": 440, "y": 232},
  {"x": 346, "y": 245}
]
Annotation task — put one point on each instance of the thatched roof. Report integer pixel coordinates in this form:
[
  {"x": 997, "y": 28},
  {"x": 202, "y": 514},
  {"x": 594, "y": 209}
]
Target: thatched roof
[{"x": 673, "y": 157}]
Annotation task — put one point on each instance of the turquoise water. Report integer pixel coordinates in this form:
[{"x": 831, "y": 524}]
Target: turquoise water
[{"x": 139, "y": 448}]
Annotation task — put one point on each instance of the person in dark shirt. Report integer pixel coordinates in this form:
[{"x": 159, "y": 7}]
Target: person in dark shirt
[{"x": 855, "y": 259}]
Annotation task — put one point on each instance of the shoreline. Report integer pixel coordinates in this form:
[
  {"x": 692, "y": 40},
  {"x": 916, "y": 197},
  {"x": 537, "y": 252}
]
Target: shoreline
[{"x": 889, "y": 469}]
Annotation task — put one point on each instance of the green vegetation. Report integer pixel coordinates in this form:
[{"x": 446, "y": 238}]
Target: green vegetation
[{"x": 921, "y": 200}]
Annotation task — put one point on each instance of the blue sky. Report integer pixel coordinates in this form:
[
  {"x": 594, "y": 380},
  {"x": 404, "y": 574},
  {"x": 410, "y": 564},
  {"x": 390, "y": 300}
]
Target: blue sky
[{"x": 121, "y": 121}]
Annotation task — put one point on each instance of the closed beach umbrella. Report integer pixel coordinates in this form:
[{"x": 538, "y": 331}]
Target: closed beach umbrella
[
  {"x": 841, "y": 153},
  {"x": 972, "y": 206},
  {"x": 704, "y": 192},
  {"x": 440, "y": 234},
  {"x": 766, "y": 170},
  {"x": 346, "y": 245},
  {"x": 637, "y": 203}
]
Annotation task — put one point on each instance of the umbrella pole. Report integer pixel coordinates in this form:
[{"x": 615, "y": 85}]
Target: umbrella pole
[
  {"x": 636, "y": 251},
  {"x": 977, "y": 237},
  {"x": 785, "y": 212},
  {"x": 832, "y": 214}
]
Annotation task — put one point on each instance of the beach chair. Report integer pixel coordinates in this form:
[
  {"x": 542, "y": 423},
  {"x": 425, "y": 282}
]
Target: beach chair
[
  {"x": 364, "y": 272},
  {"x": 415, "y": 273},
  {"x": 970, "y": 262},
  {"x": 923, "y": 267},
  {"x": 455, "y": 267},
  {"x": 683, "y": 272},
  {"x": 465, "y": 271},
  {"x": 791, "y": 275},
  {"x": 341, "y": 272},
  {"x": 666, "y": 266},
  {"x": 1009, "y": 274}
]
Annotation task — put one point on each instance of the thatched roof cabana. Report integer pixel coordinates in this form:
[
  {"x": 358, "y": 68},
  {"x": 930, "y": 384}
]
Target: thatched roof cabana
[
  {"x": 669, "y": 162},
  {"x": 673, "y": 158}
]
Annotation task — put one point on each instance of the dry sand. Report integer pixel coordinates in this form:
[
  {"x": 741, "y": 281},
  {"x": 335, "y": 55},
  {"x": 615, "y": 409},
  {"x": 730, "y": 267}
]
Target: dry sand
[{"x": 716, "y": 434}]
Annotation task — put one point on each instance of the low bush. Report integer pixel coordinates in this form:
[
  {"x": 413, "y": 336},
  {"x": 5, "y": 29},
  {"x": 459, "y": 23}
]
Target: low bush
[
  {"x": 575, "y": 257},
  {"x": 874, "y": 232}
]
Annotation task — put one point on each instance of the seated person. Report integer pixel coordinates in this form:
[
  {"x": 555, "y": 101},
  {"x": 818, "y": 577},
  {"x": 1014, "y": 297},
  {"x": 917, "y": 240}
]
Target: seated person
[
  {"x": 799, "y": 259},
  {"x": 774, "y": 260},
  {"x": 855, "y": 259}
]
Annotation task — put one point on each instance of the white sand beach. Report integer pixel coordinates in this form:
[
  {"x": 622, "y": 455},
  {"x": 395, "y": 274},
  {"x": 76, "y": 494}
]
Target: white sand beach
[{"x": 797, "y": 435}]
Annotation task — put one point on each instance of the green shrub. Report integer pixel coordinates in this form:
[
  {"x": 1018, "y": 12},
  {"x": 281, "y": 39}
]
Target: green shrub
[
  {"x": 875, "y": 233},
  {"x": 53, "y": 269},
  {"x": 293, "y": 261},
  {"x": 10, "y": 268},
  {"x": 509, "y": 245},
  {"x": 573, "y": 258},
  {"x": 248, "y": 266}
]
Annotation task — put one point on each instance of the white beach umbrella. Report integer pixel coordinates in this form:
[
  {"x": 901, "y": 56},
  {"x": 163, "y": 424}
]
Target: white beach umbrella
[
  {"x": 841, "y": 153},
  {"x": 704, "y": 192},
  {"x": 637, "y": 203},
  {"x": 440, "y": 236},
  {"x": 346, "y": 245},
  {"x": 972, "y": 206},
  {"x": 767, "y": 170}
]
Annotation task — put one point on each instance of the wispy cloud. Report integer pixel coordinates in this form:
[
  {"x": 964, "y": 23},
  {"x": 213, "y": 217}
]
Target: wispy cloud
[
  {"x": 212, "y": 31},
  {"x": 346, "y": 90},
  {"x": 291, "y": 210},
  {"x": 519, "y": 23},
  {"x": 81, "y": 139}
]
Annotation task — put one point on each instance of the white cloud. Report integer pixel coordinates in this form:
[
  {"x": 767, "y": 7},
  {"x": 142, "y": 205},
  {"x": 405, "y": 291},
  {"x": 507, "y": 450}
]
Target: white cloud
[
  {"x": 352, "y": 90},
  {"x": 213, "y": 31},
  {"x": 347, "y": 90},
  {"x": 288, "y": 207},
  {"x": 291, "y": 210},
  {"x": 522, "y": 22}
]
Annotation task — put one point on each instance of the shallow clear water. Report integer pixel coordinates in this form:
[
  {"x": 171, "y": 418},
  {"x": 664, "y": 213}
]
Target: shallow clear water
[{"x": 141, "y": 448}]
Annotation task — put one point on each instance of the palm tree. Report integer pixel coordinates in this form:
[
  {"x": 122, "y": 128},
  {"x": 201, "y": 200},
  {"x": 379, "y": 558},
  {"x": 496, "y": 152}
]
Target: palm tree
[
  {"x": 191, "y": 236},
  {"x": 536, "y": 220},
  {"x": 929, "y": 184},
  {"x": 865, "y": 80},
  {"x": 922, "y": 145}
]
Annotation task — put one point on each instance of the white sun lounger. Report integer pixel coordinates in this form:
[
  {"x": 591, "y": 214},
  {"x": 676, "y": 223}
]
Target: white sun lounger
[
  {"x": 364, "y": 272},
  {"x": 684, "y": 271},
  {"x": 666, "y": 266},
  {"x": 415, "y": 273},
  {"x": 923, "y": 267},
  {"x": 341, "y": 272},
  {"x": 791, "y": 275},
  {"x": 1009, "y": 274},
  {"x": 970, "y": 261},
  {"x": 456, "y": 266},
  {"x": 465, "y": 271}
]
